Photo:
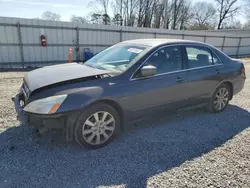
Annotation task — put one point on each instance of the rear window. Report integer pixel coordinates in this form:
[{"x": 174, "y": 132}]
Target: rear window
[{"x": 199, "y": 56}]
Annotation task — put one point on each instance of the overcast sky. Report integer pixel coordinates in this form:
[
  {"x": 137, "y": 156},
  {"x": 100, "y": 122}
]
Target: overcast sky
[{"x": 35, "y": 8}]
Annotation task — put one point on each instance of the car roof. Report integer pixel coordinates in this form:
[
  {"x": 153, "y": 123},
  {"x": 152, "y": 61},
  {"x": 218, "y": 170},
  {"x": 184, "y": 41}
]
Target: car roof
[{"x": 157, "y": 42}]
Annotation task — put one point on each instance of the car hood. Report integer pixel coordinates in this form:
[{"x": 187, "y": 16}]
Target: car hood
[{"x": 49, "y": 75}]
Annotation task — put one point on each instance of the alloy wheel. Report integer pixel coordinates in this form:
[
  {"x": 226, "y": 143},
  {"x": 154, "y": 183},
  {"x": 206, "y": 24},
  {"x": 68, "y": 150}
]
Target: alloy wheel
[
  {"x": 98, "y": 128},
  {"x": 221, "y": 98}
]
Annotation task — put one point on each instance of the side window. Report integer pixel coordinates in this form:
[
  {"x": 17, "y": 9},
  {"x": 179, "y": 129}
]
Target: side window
[
  {"x": 167, "y": 59},
  {"x": 198, "y": 56},
  {"x": 216, "y": 60}
]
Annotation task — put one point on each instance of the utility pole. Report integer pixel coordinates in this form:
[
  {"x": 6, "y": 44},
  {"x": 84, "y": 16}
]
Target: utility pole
[{"x": 166, "y": 14}]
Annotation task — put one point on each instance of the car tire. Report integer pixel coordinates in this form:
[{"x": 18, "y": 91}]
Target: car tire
[
  {"x": 220, "y": 99},
  {"x": 97, "y": 126}
]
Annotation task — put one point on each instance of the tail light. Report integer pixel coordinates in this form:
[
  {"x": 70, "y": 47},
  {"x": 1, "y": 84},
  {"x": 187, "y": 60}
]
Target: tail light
[{"x": 243, "y": 70}]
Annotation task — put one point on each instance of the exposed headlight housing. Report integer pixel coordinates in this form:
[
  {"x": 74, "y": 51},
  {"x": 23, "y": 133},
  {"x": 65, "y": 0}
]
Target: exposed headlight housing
[{"x": 47, "y": 105}]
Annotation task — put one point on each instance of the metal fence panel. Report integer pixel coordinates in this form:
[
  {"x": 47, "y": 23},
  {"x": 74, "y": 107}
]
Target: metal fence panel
[
  {"x": 200, "y": 39},
  {"x": 8, "y": 35},
  {"x": 244, "y": 51},
  {"x": 230, "y": 51},
  {"x": 9, "y": 54},
  {"x": 231, "y": 42},
  {"x": 131, "y": 36},
  {"x": 246, "y": 42},
  {"x": 11, "y": 35},
  {"x": 95, "y": 37},
  {"x": 214, "y": 41},
  {"x": 20, "y": 43},
  {"x": 29, "y": 53}
]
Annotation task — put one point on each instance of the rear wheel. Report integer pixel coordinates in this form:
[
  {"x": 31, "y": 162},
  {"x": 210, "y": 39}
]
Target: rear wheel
[
  {"x": 97, "y": 126},
  {"x": 220, "y": 99}
]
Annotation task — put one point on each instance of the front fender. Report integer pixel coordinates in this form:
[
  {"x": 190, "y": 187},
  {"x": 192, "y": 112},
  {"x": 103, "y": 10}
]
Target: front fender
[{"x": 80, "y": 97}]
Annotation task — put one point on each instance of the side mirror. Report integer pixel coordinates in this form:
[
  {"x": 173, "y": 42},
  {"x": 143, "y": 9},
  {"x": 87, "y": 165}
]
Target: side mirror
[{"x": 148, "y": 70}]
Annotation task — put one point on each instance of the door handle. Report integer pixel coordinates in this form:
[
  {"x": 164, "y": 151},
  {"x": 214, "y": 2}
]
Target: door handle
[
  {"x": 217, "y": 71},
  {"x": 179, "y": 79}
]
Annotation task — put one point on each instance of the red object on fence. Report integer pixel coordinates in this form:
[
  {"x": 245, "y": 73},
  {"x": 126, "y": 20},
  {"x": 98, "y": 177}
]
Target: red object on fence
[{"x": 43, "y": 41}]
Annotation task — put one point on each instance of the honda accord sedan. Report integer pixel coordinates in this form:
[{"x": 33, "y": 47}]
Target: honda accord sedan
[{"x": 93, "y": 101}]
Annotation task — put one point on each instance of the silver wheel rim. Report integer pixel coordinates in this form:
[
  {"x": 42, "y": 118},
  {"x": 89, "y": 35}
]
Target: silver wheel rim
[
  {"x": 221, "y": 99},
  {"x": 98, "y": 128}
]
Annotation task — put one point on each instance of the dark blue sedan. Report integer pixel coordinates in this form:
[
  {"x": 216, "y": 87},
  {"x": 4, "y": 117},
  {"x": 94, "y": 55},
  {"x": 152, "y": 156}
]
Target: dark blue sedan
[{"x": 92, "y": 102}]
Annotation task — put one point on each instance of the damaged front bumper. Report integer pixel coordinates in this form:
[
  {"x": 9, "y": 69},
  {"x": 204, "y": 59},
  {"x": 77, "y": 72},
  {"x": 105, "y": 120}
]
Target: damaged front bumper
[
  {"x": 20, "y": 114},
  {"x": 55, "y": 121}
]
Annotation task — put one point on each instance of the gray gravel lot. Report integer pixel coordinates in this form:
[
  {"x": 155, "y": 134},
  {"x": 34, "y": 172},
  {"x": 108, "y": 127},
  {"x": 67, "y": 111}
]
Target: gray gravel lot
[{"x": 189, "y": 149}]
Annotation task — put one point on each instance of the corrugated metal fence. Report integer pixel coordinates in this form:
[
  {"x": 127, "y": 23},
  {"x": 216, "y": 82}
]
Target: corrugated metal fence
[{"x": 20, "y": 44}]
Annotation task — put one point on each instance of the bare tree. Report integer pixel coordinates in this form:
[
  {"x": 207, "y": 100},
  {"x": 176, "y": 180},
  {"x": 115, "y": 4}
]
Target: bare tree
[
  {"x": 141, "y": 13},
  {"x": 176, "y": 7},
  {"x": 226, "y": 9},
  {"x": 158, "y": 17},
  {"x": 167, "y": 17},
  {"x": 203, "y": 14},
  {"x": 105, "y": 19},
  {"x": 146, "y": 13},
  {"x": 117, "y": 20},
  {"x": 51, "y": 16},
  {"x": 247, "y": 9},
  {"x": 177, "y": 14},
  {"x": 129, "y": 7},
  {"x": 117, "y": 6},
  {"x": 246, "y": 25},
  {"x": 185, "y": 15},
  {"x": 77, "y": 19},
  {"x": 233, "y": 24},
  {"x": 150, "y": 9},
  {"x": 96, "y": 18},
  {"x": 102, "y": 4}
]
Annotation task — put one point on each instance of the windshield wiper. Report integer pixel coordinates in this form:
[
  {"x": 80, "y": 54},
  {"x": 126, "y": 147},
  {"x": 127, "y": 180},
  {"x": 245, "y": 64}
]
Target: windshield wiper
[
  {"x": 89, "y": 65},
  {"x": 93, "y": 66},
  {"x": 116, "y": 61}
]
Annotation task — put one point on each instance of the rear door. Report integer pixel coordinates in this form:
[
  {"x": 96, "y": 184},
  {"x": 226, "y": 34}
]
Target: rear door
[{"x": 204, "y": 72}]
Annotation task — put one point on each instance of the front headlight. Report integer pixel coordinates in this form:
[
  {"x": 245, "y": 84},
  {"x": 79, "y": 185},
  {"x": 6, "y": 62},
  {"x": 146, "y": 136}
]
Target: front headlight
[{"x": 47, "y": 105}]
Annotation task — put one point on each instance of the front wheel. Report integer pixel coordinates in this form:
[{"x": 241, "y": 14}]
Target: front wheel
[
  {"x": 97, "y": 126},
  {"x": 220, "y": 99}
]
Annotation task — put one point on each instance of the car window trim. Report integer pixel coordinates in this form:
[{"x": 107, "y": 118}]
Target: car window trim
[
  {"x": 178, "y": 71},
  {"x": 202, "y": 67},
  {"x": 172, "y": 72},
  {"x": 214, "y": 55}
]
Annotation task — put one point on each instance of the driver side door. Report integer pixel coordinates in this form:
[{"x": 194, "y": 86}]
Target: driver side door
[{"x": 166, "y": 88}]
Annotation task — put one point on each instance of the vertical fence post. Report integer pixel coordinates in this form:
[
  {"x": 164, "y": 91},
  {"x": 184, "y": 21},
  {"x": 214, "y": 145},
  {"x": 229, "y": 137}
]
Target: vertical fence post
[
  {"x": 238, "y": 48},
  {"x": 121, "y": 35},
  {"x": 223, "y": 43},
  {"x": 155, "y": 35},
  {"x": 20, "y": 43},
  {"x": 77, "y": 45},
  {"x": 205, "y": 38}
]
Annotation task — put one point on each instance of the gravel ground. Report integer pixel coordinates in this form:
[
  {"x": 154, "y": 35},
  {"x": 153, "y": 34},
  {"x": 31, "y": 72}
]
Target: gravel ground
[{"x": 189, "y": 149}]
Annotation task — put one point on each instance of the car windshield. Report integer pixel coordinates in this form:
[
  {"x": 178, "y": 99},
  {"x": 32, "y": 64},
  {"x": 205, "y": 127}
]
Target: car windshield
[{"x": 116, "y": 58}]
